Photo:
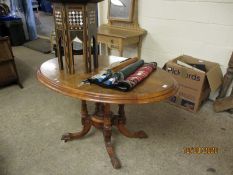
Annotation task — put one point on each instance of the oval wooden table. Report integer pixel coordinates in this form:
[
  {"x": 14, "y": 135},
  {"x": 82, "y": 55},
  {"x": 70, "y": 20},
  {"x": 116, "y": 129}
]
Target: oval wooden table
[{"x": 157, "y": 87}]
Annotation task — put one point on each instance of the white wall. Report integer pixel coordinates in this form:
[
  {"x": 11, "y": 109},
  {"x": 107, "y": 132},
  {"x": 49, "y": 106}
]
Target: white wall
[{"x": 200, "y": 28}]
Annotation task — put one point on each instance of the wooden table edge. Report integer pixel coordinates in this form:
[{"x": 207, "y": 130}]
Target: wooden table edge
[{"x": 95, "y": 97}]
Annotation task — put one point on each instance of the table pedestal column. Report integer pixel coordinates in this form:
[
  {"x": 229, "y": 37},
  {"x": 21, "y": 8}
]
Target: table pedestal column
[{"x": 104, "y": 119}]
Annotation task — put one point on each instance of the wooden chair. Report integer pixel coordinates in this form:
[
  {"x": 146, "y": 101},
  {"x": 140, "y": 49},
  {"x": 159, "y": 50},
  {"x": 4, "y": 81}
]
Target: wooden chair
[{"x": 8, "y": 71}]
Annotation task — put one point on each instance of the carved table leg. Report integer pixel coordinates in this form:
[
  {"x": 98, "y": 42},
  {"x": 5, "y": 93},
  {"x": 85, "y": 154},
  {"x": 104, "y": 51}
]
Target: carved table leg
[
  {"x": 123, "y": 130},
  {"x": 107, "y": 132},
  {"x": 99, "y": 109},
  {"x": 86, "y": 122}
]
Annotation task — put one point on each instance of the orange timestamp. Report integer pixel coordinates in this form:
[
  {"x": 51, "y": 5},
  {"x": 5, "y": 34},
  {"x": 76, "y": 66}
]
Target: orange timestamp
[{"x": 201, "y": 150}]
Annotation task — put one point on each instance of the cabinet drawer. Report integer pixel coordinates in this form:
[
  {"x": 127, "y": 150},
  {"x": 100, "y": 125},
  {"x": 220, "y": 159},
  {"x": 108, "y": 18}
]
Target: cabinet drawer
[
  {"x": 112, "y": 46},
  {"x": 109, "y": 40}
]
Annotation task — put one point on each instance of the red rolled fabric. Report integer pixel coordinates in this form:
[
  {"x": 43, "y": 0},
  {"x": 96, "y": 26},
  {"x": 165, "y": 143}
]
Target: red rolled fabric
[{"x": 138, "y": 76}]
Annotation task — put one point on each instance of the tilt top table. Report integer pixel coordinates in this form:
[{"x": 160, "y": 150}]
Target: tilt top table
[{"x": 157, "y": 87}]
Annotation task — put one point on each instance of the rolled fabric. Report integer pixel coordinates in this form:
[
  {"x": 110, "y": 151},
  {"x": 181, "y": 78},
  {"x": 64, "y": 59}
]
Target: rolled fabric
[
  {"x": 107, "y": 74},
  {"x": 100, "y": 78},
  {"x": 115, "y": 67},
  {"x": 123, "y": 74},
  {"x": 138, "y": 76}
]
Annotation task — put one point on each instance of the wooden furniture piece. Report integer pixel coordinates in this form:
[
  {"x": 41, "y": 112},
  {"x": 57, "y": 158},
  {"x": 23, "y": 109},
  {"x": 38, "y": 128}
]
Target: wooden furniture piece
[
  {"x": 8, "y": 71},
  {"x": 122, "y": 28},
  {"x": 76, "y": 20},
  {"x": 157, "y": 87},
  {"x": 224, "y": 103}
]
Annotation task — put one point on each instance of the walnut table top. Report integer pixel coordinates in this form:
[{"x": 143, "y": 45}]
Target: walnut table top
[{"x": 158, "y": 86}]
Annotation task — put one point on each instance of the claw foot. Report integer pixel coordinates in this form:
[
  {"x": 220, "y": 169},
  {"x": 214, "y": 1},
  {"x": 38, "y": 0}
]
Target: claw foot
[
  {"x": 142, "y": 134},
  {"x": 115, "y": 163},
  {"x": 66, "y": 137}
]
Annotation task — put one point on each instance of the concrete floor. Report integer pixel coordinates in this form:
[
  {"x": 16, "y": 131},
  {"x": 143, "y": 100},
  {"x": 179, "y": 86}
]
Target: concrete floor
[{"x": 34, "y": 118}]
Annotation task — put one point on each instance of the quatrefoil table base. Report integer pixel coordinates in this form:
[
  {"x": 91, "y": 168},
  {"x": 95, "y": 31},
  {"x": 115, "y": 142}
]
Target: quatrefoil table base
[{"x": 104, "y": 119}]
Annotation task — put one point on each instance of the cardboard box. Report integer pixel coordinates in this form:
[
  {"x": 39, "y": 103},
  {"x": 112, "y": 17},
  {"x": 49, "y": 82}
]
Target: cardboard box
[{"x": 195, "y": 85}]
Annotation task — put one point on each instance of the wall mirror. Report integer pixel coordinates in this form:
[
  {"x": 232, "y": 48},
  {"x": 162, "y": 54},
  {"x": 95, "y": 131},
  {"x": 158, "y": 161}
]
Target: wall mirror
[{"x": 121, "y": 10}]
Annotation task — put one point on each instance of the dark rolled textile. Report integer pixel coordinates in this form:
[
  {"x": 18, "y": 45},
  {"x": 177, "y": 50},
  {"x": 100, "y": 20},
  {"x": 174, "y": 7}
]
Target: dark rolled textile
[
  {"x": 123, "y": 73},
  {"x": 108, "y": 79},
  {"x": 126, "y": 79},
  {"x": 137, "y": 77},
  {"x": 128, "y": 70}
]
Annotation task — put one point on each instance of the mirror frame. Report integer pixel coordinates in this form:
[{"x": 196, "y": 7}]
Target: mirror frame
[{"x": 129, "y": 19}]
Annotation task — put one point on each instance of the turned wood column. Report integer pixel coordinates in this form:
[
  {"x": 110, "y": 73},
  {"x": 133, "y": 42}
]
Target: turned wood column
[{"x": 107, "y": 132}]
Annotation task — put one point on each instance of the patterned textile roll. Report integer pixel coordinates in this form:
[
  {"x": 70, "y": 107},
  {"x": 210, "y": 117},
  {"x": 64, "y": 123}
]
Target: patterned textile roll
[
  {"x": 101, "y": 77},
  {"x": 126, "y": 79},
  {"x": 137, "y": 77},
  {"x": 107, "y": 74}
]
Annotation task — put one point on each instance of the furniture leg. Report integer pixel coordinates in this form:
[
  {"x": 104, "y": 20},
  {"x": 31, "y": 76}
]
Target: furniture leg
[
  {"x": 107, "y": 132},
  {"x": 100, "y": 45},
  {"x": 226, "y": 83},
  {"x": 223, "y": 104},
  {"x": 95, "y": 52},
  {"x": 139, "y": 47},
  {"x": 123, "y": 130},
  {"x": 99, "y": 109},
  {"x": 227, "y": 79},
  {"x": 51, "y": 42},
  {"x": 20, "y": 84},
  {"x": 231, "y": 110},
  {"x": 121, "y": 50},
  {"x": 107, "y": 50},
  {"x": 59, "y": 53},
  {"x": 86, "y": 122},
  {"x": 18, "y": 81}
]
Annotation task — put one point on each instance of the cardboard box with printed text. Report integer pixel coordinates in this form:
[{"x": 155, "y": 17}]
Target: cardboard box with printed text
[{"x": 195, "y": 85}]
